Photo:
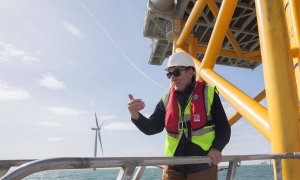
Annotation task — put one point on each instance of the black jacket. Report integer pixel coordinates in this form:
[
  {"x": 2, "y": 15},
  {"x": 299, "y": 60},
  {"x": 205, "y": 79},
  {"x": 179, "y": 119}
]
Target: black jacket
[{"x": 156, "y": 124}]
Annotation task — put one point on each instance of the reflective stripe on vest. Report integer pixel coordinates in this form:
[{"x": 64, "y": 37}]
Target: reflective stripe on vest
[{"x": 202, "y": 137}]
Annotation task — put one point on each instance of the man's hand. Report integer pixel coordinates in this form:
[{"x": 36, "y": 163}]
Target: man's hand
[
  {"x": 215, "y": 155},
  {"x": 134, "y": 106}
]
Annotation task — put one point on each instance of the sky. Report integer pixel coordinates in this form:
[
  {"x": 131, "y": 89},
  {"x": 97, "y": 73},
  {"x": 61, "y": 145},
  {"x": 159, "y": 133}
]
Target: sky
[{"x": 62, "y": 61}]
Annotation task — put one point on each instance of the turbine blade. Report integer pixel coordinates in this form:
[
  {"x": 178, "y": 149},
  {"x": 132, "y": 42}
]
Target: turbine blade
[
  {"x": 102, "y": 124},
  {"x": 100, "y": 142},
  {"x": 96, "y": 120},
  {"x": 95, "y": 148}
]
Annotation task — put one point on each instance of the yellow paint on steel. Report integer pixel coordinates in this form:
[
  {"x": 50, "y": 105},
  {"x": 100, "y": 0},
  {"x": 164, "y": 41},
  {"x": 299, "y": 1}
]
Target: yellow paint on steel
[
  {"x": 190, "y": 23},
  {"x": 218, "y": 34},
  {"x": 254, "y": 112},
  {"x": 236, "y": 116},
  {"x": 293, "y": 28},
  {"x": 252, "y": 56},
  {"x": 215, "y": 10},
  {"x": 295, "y": 52},
  {"x": 192, "y": 46},
  {"x": 297, "y": 75},
  {"x": 279, "y": 82},
  {"x": 292, "y": 17},
  {"x": 229, "y": 53},
  {"x": 295, "y": 12}
]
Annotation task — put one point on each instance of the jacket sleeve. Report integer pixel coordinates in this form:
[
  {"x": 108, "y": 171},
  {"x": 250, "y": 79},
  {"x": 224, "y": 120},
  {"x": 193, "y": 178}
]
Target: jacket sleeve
[
  {"x": 155, "y": 123},
  {"x": 222, "y": 127}
]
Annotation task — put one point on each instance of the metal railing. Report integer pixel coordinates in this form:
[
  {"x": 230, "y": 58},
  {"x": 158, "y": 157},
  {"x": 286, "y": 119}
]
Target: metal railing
[{"x": 129, "y": 164}]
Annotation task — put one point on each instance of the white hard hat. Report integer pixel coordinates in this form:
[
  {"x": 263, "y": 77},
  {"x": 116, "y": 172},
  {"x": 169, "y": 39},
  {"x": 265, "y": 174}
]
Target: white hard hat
[{"x": 180, "y": 59}]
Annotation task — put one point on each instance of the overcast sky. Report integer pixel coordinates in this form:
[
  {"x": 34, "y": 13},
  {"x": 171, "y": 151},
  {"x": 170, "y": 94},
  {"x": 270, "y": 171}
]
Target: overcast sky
[{"x": 62, "y": 61}]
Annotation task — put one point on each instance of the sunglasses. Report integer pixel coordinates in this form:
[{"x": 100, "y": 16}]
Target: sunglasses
[{"x": 175, "y": 73}]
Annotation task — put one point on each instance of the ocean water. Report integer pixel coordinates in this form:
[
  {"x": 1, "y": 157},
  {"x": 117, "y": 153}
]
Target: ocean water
[{"x": 244, "y": 172}]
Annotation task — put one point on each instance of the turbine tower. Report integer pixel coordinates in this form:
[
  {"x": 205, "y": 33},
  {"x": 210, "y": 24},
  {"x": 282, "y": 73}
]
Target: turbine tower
[{"x": 97, "y": 135}]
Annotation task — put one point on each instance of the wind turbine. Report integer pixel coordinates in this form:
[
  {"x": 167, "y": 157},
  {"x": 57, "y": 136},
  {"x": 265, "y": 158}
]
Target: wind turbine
[{"x": 97, "y": 135}]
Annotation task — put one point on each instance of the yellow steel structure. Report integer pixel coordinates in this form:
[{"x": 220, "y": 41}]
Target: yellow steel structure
[
  {"x": 279, "y": 37},
  {"x": 280, "y": 82},
  {"x": 236, "y": 116}
]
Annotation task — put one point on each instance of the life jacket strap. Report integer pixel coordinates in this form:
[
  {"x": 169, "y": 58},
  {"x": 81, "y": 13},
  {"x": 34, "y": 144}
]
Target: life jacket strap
[
  {"x": 203, "y": 131},
  {"x": 198, "y": 132}
]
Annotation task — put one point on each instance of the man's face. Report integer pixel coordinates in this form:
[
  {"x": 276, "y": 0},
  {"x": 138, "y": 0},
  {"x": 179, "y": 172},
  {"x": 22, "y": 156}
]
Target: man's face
[{"x": 181, "y": 77}]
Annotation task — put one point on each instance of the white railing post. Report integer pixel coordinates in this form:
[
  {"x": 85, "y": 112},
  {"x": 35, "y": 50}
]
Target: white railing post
[{"x": 232, "y": 170}]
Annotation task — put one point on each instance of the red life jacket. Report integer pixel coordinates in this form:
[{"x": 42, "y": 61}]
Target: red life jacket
[{"x": 198, "y": 112}]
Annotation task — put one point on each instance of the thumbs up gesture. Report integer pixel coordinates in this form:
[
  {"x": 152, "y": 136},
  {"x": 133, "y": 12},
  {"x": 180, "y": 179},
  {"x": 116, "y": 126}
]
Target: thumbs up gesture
[{"x": 134, "y": 106}]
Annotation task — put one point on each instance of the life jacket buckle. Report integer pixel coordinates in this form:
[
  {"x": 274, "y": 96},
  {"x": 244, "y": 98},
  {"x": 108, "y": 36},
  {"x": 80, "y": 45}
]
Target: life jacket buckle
[{"x": 182, "y": 125}]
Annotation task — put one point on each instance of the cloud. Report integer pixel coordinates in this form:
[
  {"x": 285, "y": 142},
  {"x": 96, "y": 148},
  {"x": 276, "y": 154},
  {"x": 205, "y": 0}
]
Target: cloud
[
  {"x": 49, "y": 81},
  {"x": 8, "y": 93},
  {"x": 73, "y": 30},
  {"x": 9, "y": 52},
  {"x": 64, "y": 111},
  {"x": 55, "y": 139},
  {"x": 119, "y": 126},
  {"x": 50, "y": 124}
]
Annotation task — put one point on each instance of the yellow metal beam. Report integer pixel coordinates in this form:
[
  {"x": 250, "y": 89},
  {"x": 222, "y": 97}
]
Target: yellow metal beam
[
  {"x": 236, "y": 116},
  {"x": 254, "y": 112},
  {"x": 190, "y": 23},
  {"x": 252, "y": 54},
  {"x": 279, "y": 82},
  {"x": 218, "y": 34},
  {"x": 232, "y": 54},
  {"x": 192, "y": 46},
  {"x": 215, "y": 10}
]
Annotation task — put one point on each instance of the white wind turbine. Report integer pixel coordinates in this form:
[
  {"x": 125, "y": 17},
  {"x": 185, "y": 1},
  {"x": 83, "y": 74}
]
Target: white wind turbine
[{"x": 97, "y": 135}]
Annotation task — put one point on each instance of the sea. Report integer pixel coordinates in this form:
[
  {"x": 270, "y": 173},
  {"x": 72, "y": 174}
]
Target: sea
[{"x": 244, "y": 172}]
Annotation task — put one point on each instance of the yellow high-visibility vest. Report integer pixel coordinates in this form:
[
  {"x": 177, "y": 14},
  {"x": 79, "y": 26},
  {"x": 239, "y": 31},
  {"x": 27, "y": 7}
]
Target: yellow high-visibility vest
[{"x": 202, "y": 137}]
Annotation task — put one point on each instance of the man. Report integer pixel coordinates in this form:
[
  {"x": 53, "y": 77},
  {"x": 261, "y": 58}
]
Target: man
[{"x": 193, "y": 117}]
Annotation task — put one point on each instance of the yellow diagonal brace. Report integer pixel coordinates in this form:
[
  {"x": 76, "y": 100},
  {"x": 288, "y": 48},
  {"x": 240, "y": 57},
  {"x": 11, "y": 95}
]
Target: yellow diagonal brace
[
  {"x": 191, "y": 22},
  {"x": 218, "y": 34},
  {"x": 236, "y": 116},
  {"x": 215, "y": 10},
  {"x": 232, "y": 54},
  {"x": 192, "y": 46}
]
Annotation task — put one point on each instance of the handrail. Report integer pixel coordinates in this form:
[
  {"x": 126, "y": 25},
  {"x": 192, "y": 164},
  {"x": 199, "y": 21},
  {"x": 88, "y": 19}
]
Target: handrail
[
  {"x": 5, "y": 165},
  {"x": 128, "y": 164}
]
